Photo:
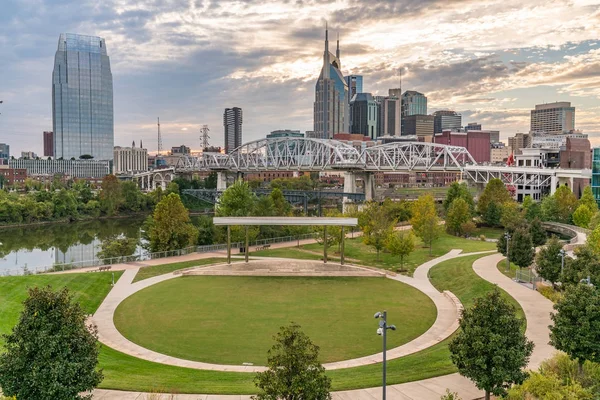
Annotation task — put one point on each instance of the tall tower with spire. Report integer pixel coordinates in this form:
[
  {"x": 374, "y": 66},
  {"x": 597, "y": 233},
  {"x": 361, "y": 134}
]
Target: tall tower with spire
[{"x": 331, "y": 110}]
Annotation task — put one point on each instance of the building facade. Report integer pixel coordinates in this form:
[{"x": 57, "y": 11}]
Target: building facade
[
  {"x": 446, "y": 119},
  {"x": 477, "y": 143},
  {"x": 499, "y": 153},
  {"x": 183, "y": 149},
  {"x": 519, "y": 141},
  {"x": 284, "y": 133},
  {"x": 232, "y": 125},
  {"x": 82, "y": 98},
  {"x": 72, "y": 168},
  {"x": 553, "y": 118},
  {"x": 364, "y": 112},
  {"x": 413, "y": 103},
  {"x": 577, "y": 154},
  {"x": 48, "y": 144},
  {"x": 28, "y": 154},
  {"x": 418, "y": 125},
  {"x": 4, "y": 153},
  {"x": 355, "y": 85},
  {"x": 596, "y": 174},
  {"x": 389, "y": 122},
  {"x": 331, "y": 106},
  {"x": 473, "y": 126},
  {"x": 130, "y": 160},
  {"x": 11, "y": 176}
]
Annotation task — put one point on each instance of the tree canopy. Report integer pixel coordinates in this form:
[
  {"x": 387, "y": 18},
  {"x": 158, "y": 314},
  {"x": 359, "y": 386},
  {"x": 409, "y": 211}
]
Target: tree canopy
[
  {"x": 494, "y": 193},
  {"x": 521, "y": 249},
  {"x": 169, "y": 227},
  {"x": 424, "y": 221},
  {"x": 459, "y": 191},
  {"x": 458, "y": 214},
  {"x": 548, "y": 261},
  {"x": 400, "y": 244}
]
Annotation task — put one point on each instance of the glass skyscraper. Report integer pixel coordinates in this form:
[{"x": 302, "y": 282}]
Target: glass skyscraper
[
  {"x": 82, "y": 98},
  {"x": 596, "y": 174}
]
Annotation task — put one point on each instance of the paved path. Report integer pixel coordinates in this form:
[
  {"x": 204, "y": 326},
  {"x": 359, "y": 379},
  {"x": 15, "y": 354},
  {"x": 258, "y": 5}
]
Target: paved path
[{"x": 537, "y": 308}]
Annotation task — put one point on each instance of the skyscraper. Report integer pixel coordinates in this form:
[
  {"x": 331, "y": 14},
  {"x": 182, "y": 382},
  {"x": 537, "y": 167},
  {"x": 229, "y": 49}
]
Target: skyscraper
[
  {"x": 388, "y": 123},
  {"x": 446, "y": 119},
  {"x": 364, "y": 111},
  {"x": 4, "y": 153},
  {"x": 48, "y": 144},
  {"x": 232, "y": 125},
  {"x": 331, "y": 107},
  {"x": 355, "y": 85},
  {"x": 82, "y": 98},
  {"x": 413, "y": 103},
  {"x": 553, "y": 118}
]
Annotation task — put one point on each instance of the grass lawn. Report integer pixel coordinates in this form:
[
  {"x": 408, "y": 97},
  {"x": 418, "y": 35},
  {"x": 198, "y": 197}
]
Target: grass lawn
[
  {"x": 89, "y": 289},
  {"x": 155, "y": 270},
  {"x": 288, "y": 252},
  {"x": 488, "y": 232},
  {"x": 198, "y": 318},
  {"x": 356, "y": 249},
  {"x": 511, "y": 273}
]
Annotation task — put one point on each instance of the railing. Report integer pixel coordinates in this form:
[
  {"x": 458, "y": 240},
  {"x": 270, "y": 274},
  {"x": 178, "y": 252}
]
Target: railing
[
  {"x": 527, "y": 277},
  {"x": 145, "y": 256}
]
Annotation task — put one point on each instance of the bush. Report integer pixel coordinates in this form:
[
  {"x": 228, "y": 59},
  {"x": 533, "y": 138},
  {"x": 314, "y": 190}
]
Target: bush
[
  {"x": 549, "y": 293},
  {"x": 482, "y": 238}
]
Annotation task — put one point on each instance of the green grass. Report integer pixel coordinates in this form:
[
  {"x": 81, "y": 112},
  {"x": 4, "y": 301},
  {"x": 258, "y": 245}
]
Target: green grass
[
  {"x": 357, "y": 250},
  {"x": 488, "y": 232},
  {"x": 197, "y": 318},
  {"x": 155, "y": 270},
  {"x": 288, "y": 252},
  {"x": 88, "y": 289},
  {"x": 511, "y": 273}
]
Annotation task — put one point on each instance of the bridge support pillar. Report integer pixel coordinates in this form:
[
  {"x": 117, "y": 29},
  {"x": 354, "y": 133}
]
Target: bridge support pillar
[
  {"x": 349, "y": 187},
  {"x": 552, "y": 184},
  {"x": 221, "y": 180},
  {"x": 369, "y": 183}
]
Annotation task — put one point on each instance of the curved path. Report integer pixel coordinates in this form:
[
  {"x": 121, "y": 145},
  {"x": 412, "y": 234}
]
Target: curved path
[{"x": 448, "y": 308}]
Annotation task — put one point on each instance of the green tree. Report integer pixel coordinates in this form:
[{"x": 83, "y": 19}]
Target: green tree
[
  {"x": 133, "y": 198},
  {"x": 566, "y": 203},
  {"x": 206, "y": 230},
  {"x": 501, "y": 245},
  {"x": 210, "y": 182},
  {"x": 51, "y": 353},
  {"x": 582, "y": 216},
  {"x": 490, "y": 348},
  {"x": 459, "y": 191},
  {"x": 116, "y": 247},
  {"x": 493, "y": 214},
  {"x": 587, "y": 199},
  {"x": 549, "y": 208},
  {"x": 494, "y": 193},
  {"x": 236, "y": 201},
  {"x": 548, "y": 261},
  {"x": 280, "y": 204},
  {"x": 586, "y": 263},
  {"x": 595, "y": 221},
  {"x": 593, "y": 241},
  {"x": 457, "y": 214},
  {"x": 531, "y": 209},
  {"x": 425, "y": 222},
  {"x": 397, "y": 210},
  {"x": 111, "y": 196},
  {"x": 378, "y": 228},
  {"x": 294, "y": 370},
  {"x": 576, "y": 328},
  {"x": 169, "y": 227},
  {"x": 511, "y": 218},
  {"x": 521, "y": 248},
  {"x": 400, "y": 244},
  {"x": 537, "y": 232}
]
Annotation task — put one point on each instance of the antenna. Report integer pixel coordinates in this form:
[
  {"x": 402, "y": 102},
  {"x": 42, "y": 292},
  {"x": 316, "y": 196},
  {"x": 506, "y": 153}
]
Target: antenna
[
  {"x": 159, "y": 138},
  {"x": 401, "y": 68},
  {"x": 204, "y": 136}
]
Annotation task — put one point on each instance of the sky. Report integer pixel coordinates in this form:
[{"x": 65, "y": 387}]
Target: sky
[{"x": 186, "y": 60}]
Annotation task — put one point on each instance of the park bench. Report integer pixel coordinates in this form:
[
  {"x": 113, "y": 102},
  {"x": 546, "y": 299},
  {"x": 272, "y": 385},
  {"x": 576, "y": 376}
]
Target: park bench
[
  {"x": 265, "y": 247},
  {"x": 105, "y": 268}
]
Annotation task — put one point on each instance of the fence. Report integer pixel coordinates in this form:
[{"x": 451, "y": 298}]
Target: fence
[
  {"x": 145, "y": 256},
  {"x": 527, "y": 277}
]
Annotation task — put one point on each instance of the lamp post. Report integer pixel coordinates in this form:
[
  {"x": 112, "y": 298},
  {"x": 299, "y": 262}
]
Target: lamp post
[
  {"x": 507, "y": 237},
  {"x": 587, "y": 281},
  {"x": 383, "y": 327},
  {"x": 562, "y": 253}
]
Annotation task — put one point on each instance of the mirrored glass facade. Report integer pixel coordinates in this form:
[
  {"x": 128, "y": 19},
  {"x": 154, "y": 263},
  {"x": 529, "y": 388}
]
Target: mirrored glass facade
[
  {"x": 82, "y": 98},
  {"x": 596, "y": 174}
]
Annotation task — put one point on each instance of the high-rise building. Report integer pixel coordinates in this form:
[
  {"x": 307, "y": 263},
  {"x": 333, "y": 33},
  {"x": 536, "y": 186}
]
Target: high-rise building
[
  {"x": 183, "y": 149},
  {"x": 29, "y": 155},
  {"x": 232, "y": 124},
  {"x": 477, "y": 143},
  {"x": 553, "y": 118},
  {"x": 130, "y": 160},
  {"x": 4, "y": 153},
  {"x": 596, "y": 174},
  {"x": 355, "y": 85},
  {"x": 413, "y": 103},
  {"x": 285, "y": 133},
  {"x": 364, "y": 115},
  {"x": 519, "y": 141},
  {"x": 389, "y": 123},
  {"x": 331, "y": 107},
  {"x": 82, "y": 98},
  {"x": 473, "y": 126},
  {"x": 418, "y": 125},
  {"x": 446, "y": 119},
  {"x": 48, "y": 144}
]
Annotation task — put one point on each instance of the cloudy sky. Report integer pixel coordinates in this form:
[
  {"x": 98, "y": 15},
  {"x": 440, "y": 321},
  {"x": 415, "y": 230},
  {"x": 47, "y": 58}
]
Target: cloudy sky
[{"x": 186, "y": 60}]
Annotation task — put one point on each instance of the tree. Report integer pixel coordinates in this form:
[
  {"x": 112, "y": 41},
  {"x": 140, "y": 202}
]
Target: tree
[
  {"x": 86, "y": 157},
  {"x": 582, "y": 216},
  {"x": 548, "y": 261},
  {"x": 468, "y": 228},
  {"x": 236, "y": 201},
  {"x": 490, "y": 348},
  {"x": 576, "y": 328},
  {"x": 424, "y": 221},
  {"x": 111, "y": 196},
  {"x": 400, "y": 244},
  {"x": 457, "y": 215},
  {"x": 501, "y": 245},
  {"x": 51, "y": 353},
  {"x": 494, "y": 193},
  {"x": 532, "y": 210},
  {"x": 116, "y": 247},
  {"x": 280, "y": 204},
  {"x": 294, "y": 370},
  {"x": 169, "y": 227},
  {"x": 588, "y": 199},
  {"x": 459, "y": 191},
  {"x": 593, "y": 241},
  {"x": 521, "y": 248},
  {"x": 549, "y": 208},
  {"x": 133, "y": 198},
  {"x": 537, "y": 232},
  {"x": 378, "y": 228},
  {"x": 493, "y": 214},
  {"x": 566, "y": 202},
  {"x": 511, "y": 218}
]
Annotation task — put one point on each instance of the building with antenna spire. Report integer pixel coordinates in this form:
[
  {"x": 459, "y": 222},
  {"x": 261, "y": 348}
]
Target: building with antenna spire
[{"x": 331, "y": 106}]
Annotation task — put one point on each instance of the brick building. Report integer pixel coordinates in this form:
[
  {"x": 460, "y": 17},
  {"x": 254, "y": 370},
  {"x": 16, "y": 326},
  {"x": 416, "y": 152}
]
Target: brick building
[
  {"x": 13, "y": 175},
  {"x": 478, "y": 143}
]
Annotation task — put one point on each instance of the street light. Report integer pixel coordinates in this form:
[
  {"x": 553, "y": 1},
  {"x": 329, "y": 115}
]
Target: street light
[
  {"x": 587, "y": 281},
  {"x": 507, "y": 237},
  {"x": 382, "y": 331},
  {"x": 562, "y": 253}
]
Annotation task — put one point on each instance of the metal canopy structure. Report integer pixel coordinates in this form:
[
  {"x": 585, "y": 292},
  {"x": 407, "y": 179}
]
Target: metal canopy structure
[{"x": 292, "y": 221}]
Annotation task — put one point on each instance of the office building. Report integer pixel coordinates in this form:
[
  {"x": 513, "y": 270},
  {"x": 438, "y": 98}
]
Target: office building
[
  {"x": 4, "y": 153},
  {"x": 48, "y": 144},
  {"x": 413, "y": 103},
  {"x": 596, "y": 174},
  {"x": 130, "y": 160},
  {"x": 576, "y": 154},
  {"x": 519, "y": 141},
  {"x": 553, "y": 118},
  {"x": 28, "y": 154},
  {"x": 477, "y": 143},
  {"x": 71, "y": 168},
  {"x": 331, "y": 107},
  {"x": 473, "y": 126},
  {"x": 389, "y": 122},
  {"x": 180, "y": 150},
  {"x": 446, "y": 119},
  {"x": 355, "y": 85},
  {"x": 285, "y": 133},
  {"x": 420, "y": 126},
  {"x": 12, "y": 176},
  {"x": 499, "y": 153},
  {"x": 232, "y": 125},
  {"x": 364, "y": 112},
  {"x": 82, "y": 98},
  {"x": 547, "y": 141}
]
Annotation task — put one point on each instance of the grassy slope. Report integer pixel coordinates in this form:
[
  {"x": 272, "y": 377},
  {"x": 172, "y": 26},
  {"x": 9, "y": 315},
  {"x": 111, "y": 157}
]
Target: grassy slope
[
  {"x": 502, "y": 268},
  {"x": 155, "y": 270},
  {"x": 180, "y": 317}
]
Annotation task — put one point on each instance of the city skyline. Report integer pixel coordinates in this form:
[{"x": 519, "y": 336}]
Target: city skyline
[{"x": 492, "y": 66}]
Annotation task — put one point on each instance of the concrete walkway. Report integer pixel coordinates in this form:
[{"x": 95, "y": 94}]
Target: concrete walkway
[{"x": 537, "y": 308}]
